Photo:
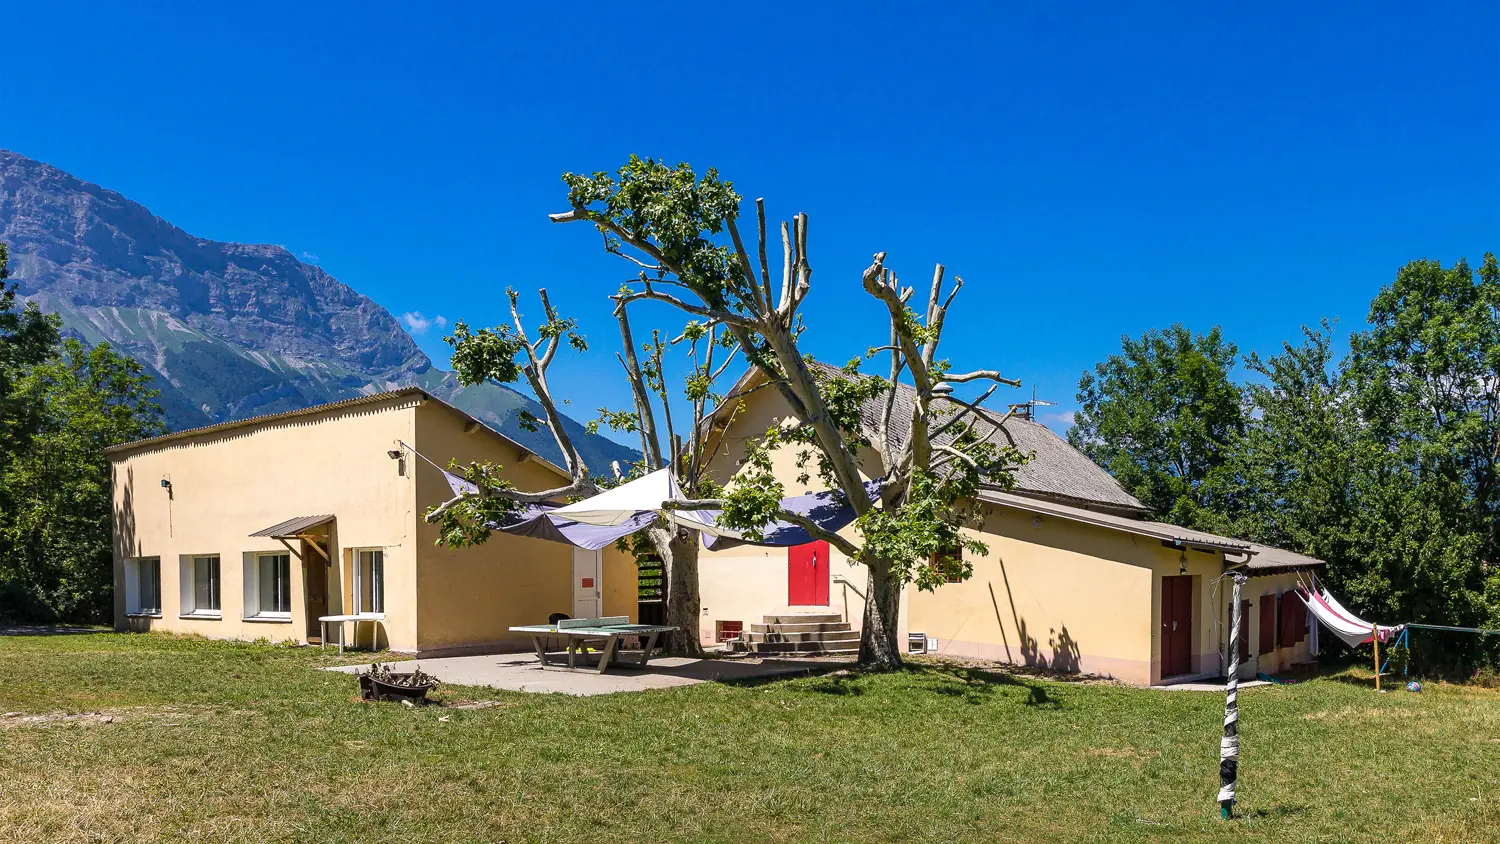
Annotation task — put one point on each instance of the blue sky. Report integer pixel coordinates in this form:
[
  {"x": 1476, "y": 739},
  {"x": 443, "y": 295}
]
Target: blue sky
[{"x": 1091, "y": 170}]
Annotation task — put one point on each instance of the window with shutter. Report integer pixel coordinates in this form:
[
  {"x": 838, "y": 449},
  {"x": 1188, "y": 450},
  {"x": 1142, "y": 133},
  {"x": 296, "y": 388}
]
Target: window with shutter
[{"x": 1267, "y": 624}]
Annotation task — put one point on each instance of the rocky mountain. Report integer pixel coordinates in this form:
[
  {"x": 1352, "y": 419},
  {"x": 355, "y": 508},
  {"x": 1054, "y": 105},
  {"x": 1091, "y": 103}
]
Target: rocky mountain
[{"x": 229, "y": 330}]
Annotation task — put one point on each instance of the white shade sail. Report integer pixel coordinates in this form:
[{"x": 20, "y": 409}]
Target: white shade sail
[
  {"x": 645, "y": 494},
  {"x": 616, "y": 506}
]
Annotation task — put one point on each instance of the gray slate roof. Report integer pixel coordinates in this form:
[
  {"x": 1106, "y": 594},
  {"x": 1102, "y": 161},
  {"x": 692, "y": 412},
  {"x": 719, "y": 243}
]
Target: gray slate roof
[
  {"x": 1060, "y": 481},
  {"x": 1057, "y": 470},
  {"x": 1140, "y": 527},
  {"x": 1264, "y": 559}
]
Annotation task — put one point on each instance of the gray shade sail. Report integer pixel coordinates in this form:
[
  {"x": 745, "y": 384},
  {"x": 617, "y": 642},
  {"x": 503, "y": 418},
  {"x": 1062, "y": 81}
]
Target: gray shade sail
[{"x": 294, "y": 527}]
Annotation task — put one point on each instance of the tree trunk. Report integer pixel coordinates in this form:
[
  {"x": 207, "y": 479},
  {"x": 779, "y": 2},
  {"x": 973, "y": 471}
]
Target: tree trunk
[
  {"x": 879, "y": 647},
  {"x": 679, "y": 555}
]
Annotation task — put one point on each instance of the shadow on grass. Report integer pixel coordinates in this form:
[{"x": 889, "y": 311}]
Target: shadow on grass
[
  {"x": 972, "y": 685},
  {"x": 975, "y": 685},
  {"x": 1276, "y": 812},
  {"x": 48, "y": 630},
  {"x": 1367, "y": 682}
]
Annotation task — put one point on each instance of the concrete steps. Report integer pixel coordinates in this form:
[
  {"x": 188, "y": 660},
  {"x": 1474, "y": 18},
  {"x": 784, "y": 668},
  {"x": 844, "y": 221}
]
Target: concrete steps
[{"x": 800, "y": 634}]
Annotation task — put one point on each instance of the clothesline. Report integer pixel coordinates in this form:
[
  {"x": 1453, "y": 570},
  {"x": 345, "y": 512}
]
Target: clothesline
[{"x": 1348, "y": 627}]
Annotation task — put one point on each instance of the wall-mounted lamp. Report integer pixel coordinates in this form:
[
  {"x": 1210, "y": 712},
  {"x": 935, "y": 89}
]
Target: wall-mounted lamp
[
  {"x": 394, "y": 454},
  {"x": 1036, "y": 521},
  {"x": 1182, "y": 564},
  {"x": 166, "y": 484}
]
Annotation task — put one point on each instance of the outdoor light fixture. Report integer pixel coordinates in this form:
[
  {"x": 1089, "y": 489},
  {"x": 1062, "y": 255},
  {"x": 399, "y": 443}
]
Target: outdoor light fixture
[
  {"x": 1182, "y": 563},
  {"x": 166, "y": 484},
  {"x": 394, "y": 454}
]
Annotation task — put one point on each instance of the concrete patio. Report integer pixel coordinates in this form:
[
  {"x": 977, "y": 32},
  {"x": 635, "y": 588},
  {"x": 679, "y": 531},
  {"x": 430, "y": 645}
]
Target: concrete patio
[{"x": 518, "y": 672}]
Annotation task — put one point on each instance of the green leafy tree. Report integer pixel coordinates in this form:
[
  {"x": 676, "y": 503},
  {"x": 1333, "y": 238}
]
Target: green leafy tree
[
  {"x": 507, "y": 353},
  {"x": 681, "y": 231},
  {"x": 1426, "y": 379},
  {"x": 1162, "y": 417},
  {"x": 1383, "y": 463},
  {"x": 27, "y": 337},
  {"x": 1293, "y": 470},
  {"x": 55, "y": 535}
]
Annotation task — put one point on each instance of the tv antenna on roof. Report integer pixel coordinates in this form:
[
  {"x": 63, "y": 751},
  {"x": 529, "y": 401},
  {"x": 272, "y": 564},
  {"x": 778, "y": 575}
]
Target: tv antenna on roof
[{"x": 1027, "y": 410}]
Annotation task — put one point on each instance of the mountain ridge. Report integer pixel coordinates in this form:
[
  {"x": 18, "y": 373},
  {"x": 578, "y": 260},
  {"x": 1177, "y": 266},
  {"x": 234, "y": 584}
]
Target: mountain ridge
[{"x": 228, "y": 330}]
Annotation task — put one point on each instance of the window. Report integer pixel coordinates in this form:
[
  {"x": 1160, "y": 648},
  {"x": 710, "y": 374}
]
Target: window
[
  {"x": 1292, "y": 625},
  {"x": 369, "y": 581},
  {"x": 1244, "y": 631},
  {"x": 200, "y": 585},
  {"x": 143, "y": 586},
  {"x": 950, "y": 563},
  {"x": 1267, "y": 624},
  {"x": 268, "y": 586}
]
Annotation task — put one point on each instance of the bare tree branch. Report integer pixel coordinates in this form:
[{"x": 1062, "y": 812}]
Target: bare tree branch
[
  {"x": 765, "y": 268},
  {"x": 955, "y": 453},
  {"x": 744, "y": 259},
  {"x": 650, "y": 441},
  {"x": 979, "y": 375},
  {"x": 697, "y": 310},
  {"x": 535, "y": 371},
  {"x": 965, "y": 409}
]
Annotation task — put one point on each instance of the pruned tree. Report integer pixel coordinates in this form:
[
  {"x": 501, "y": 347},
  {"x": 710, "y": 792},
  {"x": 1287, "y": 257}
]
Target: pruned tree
[
  {"x": 507, "y": 353},
  {"x": 672, "y": 225}
]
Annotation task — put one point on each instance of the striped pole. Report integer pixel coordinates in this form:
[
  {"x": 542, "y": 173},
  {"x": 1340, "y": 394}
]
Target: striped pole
[{"x": 1229, "y": 746}]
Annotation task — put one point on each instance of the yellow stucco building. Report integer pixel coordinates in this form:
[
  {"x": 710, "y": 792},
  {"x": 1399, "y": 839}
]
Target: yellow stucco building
[
  {"x": 1076, "y": 579},
  {"x": 255, "y": 529}
]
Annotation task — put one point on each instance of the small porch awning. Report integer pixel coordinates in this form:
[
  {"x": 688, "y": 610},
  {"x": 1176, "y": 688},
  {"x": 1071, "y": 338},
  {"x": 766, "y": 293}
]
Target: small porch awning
[{"x": 297, "y": 528}]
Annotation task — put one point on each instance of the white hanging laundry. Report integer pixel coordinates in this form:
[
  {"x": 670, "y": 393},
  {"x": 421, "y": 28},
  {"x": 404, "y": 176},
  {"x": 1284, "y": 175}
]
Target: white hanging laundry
[{"x": 1347, "y": 627}]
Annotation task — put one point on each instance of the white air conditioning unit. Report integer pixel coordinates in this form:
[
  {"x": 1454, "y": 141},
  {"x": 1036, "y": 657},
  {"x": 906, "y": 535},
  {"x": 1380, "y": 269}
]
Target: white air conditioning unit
[{"x": 917, "y": 643}]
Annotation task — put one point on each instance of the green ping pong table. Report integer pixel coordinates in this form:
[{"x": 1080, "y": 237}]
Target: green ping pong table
[{"x": 579, "y": 632}]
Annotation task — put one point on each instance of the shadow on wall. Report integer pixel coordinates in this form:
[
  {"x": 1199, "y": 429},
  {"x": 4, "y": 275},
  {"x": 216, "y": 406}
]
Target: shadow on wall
[
  {"x": 1066, "y": 653},
  {"x": 125, "y": 548}
]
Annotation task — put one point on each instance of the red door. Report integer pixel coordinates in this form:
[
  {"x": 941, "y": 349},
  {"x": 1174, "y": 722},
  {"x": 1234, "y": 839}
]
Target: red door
[
  {"x": 807, "y": 574},
  {"x": 1176, "y": 625}
]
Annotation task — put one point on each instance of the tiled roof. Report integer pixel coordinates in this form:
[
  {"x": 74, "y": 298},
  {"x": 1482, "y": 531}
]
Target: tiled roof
[
  {"x": 1264, "y": 559},
  {"x": 1056, "y": 470},
  {"x": 1140, "y": 527},
  {"x": 330, "y": 407}
]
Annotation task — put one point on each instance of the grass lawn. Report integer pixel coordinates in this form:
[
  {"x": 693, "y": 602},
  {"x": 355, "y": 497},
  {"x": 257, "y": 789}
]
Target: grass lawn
[{"x": 231, "y": 741}]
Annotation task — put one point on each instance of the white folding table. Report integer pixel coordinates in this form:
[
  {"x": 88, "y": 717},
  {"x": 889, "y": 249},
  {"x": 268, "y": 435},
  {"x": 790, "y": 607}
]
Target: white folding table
[{"x": 324, "y": 620}]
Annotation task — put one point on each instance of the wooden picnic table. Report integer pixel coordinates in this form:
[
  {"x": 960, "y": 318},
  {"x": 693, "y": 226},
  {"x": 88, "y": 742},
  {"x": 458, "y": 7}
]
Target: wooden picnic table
[{"x": 580, "y": 631}]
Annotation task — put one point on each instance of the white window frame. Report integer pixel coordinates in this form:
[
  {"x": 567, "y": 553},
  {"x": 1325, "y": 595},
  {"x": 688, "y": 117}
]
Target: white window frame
[
  {"x": 377, "y": 601},
  {"x": 187, "y": 569},
  {"x": 135, "y": 603},
  {"x": 253, "y": 611}
]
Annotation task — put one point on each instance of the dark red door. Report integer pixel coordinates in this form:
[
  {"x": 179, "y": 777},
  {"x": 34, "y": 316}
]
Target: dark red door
[
  {"x": 807, "y": 574},
  {"x": 1176, "y": 625}
]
